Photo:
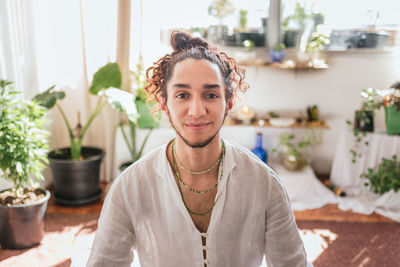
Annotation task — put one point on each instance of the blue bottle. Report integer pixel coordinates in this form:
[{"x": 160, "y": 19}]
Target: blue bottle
[{"x": 259, "y": 150}]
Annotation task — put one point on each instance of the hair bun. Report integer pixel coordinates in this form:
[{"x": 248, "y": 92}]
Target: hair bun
[{"x": 181, "y": 41}]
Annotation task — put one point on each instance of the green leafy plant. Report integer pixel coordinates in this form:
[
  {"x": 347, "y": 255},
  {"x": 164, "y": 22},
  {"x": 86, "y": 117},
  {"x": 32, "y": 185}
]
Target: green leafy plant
[
  {"x": 372, "y": 101},
  {"x": 248, "y": 45},
  {"x": 220, "y": 9},
  {"x": 242, "y": 20},
  {"x": 146, "y": 120},
  {"x": 279, "y": 47},
  {"x": 318, "y": 42},
  {"x": 105, "y": 84},
  {"x": 385, "y": 177},
  {"x": 296, "y": 19},
  {"x": 293, "y": 154},
  {"x": 23, "y": 139}
]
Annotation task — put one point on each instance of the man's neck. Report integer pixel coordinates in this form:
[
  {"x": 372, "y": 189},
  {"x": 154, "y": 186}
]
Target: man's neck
[{"x": 198, "y": 159}]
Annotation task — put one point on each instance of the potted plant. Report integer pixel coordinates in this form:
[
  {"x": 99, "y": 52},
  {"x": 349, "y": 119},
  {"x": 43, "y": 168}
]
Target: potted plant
[
  {"x": 391, "y": 103},
  {"x": 24, "y": 145},
  {"x": 364, "y": 117},
  {"x": 278, "y": 54},
  {"x": 385, "y": 177},
  {"x": 219, "y": 9},
  {"x": 76, "y": 168},
  {"x": 294, "y": 156},
  {"x": 145, "y": 120}
]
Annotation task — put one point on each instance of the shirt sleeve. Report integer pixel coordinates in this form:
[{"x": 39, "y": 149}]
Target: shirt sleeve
[
  {"x": 114, "y": 241},
  {"x": 283, "y": 244}
]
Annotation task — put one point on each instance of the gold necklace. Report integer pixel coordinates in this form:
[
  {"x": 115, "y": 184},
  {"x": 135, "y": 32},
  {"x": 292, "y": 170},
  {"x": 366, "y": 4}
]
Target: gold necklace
[
  {"x": 184, "y": 184},
  {"x": 180, "y": 190},
  {"x": 196, "y": 172}
]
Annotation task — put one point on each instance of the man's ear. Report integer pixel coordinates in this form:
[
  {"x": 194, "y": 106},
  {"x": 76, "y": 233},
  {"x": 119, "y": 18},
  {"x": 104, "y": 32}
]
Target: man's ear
[
  {"x": 163, "y": 103},
  {"x": 229, "y": 105}
]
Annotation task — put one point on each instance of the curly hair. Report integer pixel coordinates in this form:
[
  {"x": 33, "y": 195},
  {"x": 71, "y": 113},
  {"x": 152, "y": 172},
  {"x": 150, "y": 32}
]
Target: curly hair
[{"x": 185, "y": 46}]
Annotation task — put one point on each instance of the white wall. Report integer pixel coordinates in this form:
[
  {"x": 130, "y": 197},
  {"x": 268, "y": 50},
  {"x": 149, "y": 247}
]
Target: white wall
[{"x": 336, "y": 91}]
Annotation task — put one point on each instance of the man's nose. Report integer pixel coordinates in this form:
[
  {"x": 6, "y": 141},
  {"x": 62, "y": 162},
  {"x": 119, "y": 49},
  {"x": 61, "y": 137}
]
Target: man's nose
[{"x": 197, "y": 108}]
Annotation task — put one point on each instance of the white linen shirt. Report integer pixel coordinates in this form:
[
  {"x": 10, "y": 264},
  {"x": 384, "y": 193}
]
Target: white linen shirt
[{"x": 144, "y": 210}]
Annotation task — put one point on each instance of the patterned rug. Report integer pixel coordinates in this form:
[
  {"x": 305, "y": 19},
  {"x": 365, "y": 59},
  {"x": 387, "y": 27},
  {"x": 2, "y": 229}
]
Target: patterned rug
[{"x": 327, "y": 243}]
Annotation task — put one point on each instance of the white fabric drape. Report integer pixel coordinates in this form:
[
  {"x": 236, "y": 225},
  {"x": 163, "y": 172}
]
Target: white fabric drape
[
  {"x": 63, "y": 42},
  {"x": 346, "y": 174}
]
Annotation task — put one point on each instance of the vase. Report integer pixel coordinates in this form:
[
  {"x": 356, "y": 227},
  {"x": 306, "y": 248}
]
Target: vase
[{"x": 258, "y": 150}]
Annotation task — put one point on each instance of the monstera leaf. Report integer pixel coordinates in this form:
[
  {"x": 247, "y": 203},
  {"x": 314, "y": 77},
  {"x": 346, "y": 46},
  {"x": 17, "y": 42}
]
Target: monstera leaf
[
  {"x": 108, "y": 76},
  {"x": 122, "y": 101}
]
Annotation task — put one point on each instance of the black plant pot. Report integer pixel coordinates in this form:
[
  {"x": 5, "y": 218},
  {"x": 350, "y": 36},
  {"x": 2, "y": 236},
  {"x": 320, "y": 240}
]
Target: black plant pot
[
  {"x": 76, "y": 182},
  {"x": 364, "y": 121},
  {"x": 22, "y": 226},
  {"x": 125, "y": 165}
]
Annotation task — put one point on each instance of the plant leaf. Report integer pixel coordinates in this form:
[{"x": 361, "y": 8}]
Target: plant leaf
[
  {"x": 48, "y": 98},
  {"x": 122, "y": 101},
  {"x": 108, "y": 76}
]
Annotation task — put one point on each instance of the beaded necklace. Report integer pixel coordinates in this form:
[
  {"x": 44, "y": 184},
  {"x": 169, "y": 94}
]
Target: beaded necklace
[
  {"x": 196, "y": 172},
  {"x": 179, "y": 187},
  {"x": 184, "y": 184}
]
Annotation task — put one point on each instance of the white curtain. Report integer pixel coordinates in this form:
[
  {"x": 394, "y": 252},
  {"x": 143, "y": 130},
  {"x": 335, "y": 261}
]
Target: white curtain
[{"x": 63, "y": 42}]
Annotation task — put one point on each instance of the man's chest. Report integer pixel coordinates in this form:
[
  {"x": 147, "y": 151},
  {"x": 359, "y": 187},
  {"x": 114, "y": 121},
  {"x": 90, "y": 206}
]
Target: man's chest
[{"x": 200, "y": 207}]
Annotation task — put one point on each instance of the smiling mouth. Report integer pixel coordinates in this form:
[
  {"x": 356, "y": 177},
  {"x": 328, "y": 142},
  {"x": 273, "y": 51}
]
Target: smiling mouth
[{"x": 197, "y": 126}]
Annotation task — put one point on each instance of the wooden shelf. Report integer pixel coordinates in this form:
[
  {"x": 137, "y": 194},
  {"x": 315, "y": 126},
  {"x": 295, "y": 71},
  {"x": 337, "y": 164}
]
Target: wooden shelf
[{"x": 303, "y": 125}]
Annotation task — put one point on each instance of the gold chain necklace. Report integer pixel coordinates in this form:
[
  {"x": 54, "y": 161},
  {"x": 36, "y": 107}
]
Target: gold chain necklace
[
  {"x": 184, "y": 184},
  {"x": 196, "y": 172},
  {"x": 179, "y": 187}
]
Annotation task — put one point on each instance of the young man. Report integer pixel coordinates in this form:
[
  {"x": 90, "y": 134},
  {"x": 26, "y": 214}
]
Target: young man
[{"x": 198, "y": 200}]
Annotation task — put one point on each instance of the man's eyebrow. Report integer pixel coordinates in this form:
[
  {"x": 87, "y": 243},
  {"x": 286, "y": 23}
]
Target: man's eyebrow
[
  {"x": 212, "y": 86},
  {"x": 206, "y": 86},
  {"x": 181, "y": 85}
]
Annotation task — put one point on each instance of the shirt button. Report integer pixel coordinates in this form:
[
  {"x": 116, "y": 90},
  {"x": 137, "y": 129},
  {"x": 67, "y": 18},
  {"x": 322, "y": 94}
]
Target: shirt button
[
  {"x": 205, "y": 248},
  {"x": 204, "y": 234},
  {"x": 206, "y": 261}
]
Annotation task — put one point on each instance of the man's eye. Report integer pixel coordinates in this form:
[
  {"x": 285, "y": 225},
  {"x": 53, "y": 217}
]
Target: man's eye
[
  {"x": 181, "y": 96},
  {"x": 212, "y": 96}
]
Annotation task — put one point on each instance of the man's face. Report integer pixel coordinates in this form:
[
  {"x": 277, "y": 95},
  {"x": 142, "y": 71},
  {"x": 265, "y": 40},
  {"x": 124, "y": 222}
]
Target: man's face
[{"x": 196, "y": 103}]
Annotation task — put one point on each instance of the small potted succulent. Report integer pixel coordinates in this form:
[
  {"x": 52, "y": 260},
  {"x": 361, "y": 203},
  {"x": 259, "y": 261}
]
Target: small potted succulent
[
  {"x": 278, "y": 54},
  {"x": 24, "y": 146},
  {"x": 76, "y": 169}
]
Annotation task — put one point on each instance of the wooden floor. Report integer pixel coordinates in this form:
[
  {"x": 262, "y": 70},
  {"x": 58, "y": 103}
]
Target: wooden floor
[{"x": 329, "y": 212}]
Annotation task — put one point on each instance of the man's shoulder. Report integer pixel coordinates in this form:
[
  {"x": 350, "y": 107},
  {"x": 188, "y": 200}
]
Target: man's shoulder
[
  {"x": 242, "y": 155},
  {"x": 247, "y": 162}
]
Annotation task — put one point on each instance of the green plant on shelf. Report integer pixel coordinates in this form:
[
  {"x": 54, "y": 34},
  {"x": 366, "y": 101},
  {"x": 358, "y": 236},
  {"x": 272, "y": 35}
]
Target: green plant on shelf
[
  {"x": 279, "y": 47},
  {"x": 317, "y": 42},
  {"x": 220, "y": 9},
  {"x": 385, "y": 177},
  {"x": 294, "y": 155}
]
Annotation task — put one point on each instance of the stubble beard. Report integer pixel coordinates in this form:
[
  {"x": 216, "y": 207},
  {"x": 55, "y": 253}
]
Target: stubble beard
[{"x": 198, "y": 144}]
